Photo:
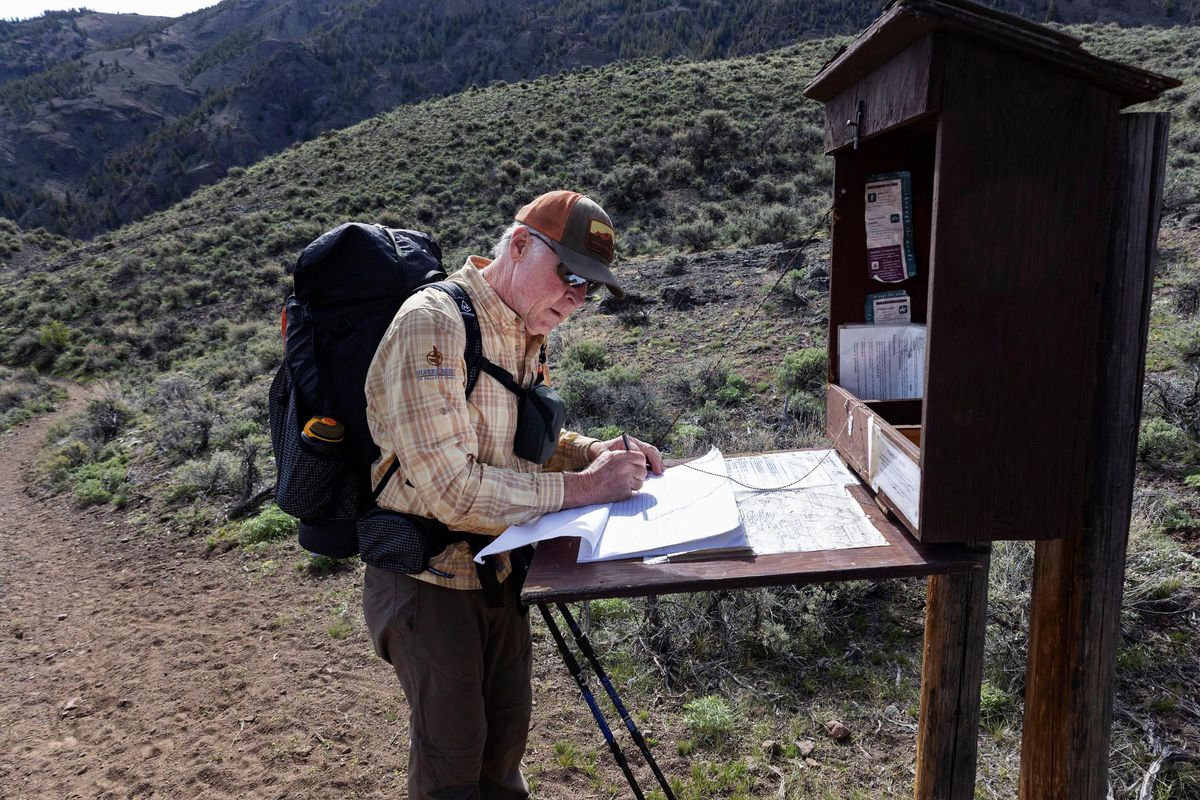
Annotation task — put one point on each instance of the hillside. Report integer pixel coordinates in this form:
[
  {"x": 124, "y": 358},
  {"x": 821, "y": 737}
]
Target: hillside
[
  {"x": 95, "y": 134},
  {"x": 713, "y": 172}
]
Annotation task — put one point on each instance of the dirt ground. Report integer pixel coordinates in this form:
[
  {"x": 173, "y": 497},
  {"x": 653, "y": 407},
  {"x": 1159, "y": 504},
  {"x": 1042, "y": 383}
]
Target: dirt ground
[{"x": 132, "y": 664}]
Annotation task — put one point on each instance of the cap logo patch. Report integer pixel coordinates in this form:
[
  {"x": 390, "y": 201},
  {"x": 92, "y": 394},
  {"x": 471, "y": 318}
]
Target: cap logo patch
[
  {"x": 600, "y": 239},
  {"x": 434, "y": 357}
]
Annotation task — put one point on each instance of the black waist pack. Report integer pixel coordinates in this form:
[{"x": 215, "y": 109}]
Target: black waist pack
[{"x": 395, "y": 541}]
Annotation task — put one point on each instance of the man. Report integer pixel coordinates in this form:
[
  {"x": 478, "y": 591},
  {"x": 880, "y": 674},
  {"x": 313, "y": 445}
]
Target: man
[{"x": 465, "y": 665}]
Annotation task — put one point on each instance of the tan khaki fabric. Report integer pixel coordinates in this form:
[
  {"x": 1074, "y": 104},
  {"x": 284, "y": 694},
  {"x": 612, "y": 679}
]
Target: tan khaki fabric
[{"x": 456, "y": 454}]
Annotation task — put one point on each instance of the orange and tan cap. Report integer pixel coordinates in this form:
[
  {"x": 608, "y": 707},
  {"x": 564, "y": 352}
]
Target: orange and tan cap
[{"x": 580, "y": 232}]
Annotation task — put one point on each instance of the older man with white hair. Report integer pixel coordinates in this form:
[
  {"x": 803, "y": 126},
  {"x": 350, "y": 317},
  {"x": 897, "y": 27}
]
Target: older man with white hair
[{"x": 456, "y": 633}]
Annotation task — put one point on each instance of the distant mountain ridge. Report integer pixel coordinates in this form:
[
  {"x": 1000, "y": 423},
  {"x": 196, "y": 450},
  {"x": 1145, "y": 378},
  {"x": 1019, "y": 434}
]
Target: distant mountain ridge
[
  {"x": 36, "y": 45},
  {"x": 105, "y": 118}
]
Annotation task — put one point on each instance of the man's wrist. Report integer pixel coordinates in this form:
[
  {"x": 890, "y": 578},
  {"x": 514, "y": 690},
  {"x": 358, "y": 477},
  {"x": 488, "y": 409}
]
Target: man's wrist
[{"x": 578, "y": 489}]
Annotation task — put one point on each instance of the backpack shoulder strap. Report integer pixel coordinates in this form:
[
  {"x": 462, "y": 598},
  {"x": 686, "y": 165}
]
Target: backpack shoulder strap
[{"x": 473, "y": 352}]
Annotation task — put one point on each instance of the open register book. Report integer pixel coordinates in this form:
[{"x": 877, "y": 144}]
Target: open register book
[{"x": 775, "y": 503}]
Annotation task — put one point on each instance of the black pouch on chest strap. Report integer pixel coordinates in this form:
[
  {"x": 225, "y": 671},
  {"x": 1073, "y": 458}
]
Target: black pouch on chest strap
[{"x": 540, "y": 416}]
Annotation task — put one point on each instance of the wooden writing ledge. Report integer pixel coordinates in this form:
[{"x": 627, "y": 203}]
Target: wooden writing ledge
[{"x": 555, "y": 577}]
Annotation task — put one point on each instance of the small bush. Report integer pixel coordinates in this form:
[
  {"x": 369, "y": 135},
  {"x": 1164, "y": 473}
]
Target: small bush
[
  {"x": 1161, "y": 443},
  {"x": 712, "y": 383},
  {"x": 587, "y": 355},
  {"x": 709, "y": 719},
  {"x": 54, "y": 336},
  {"x": 99, "y": 483},
  {"x": 105, "y": 418},
  {"x": 803, "y": 371},
  {"x": 994, "y": 702},
  {"x": 186, "y": 414},
  {"x": 218, "y": 475},
  {"x": 615, "y": 396},
  {"x": 697, "y": 236},
  {"x": 318, "y": 565},
  {"x": 805, "y": 408},
  {"x": 269, "y": 526},
  {"x": 676, "y": 266}
]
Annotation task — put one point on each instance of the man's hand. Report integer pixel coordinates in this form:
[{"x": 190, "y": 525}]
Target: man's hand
[
  {"x": 613, "y": 475},
  {"x": 654, "y": 458}
]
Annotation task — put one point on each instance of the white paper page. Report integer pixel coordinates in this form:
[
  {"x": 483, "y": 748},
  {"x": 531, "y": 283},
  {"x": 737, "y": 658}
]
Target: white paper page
[
  {"x": 797, "y": 470},
  {"x": 685, "y": 503},
  {"x": 586, "y": 522},
  {"x": 882, "y": 362}
]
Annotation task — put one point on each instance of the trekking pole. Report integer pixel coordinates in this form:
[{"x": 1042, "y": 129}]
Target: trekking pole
[
  {"x": 585, "y": 645},
  {"x": 577, "y": 674}
]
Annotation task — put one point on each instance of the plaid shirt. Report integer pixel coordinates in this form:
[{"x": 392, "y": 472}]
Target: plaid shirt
[{"x": 456, "y": 459}]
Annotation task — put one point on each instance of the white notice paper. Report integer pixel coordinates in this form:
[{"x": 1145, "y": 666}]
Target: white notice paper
[
  {"x": 882, "y": 362},
  {"x": 896, "y": 475}
]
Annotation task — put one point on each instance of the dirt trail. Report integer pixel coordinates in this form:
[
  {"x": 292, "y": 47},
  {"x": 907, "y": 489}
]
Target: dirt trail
[{"x": 131, "y": 665}]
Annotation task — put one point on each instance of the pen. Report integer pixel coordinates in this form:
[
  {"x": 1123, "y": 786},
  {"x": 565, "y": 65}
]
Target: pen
[{"x": 625, "y": 439}]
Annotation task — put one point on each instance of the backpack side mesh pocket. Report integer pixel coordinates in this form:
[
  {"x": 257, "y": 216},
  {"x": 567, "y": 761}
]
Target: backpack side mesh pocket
[{"x": 309, "y": 485}]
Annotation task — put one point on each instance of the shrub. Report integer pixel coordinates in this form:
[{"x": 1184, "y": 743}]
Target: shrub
[
  {"x": 775, "y": 223},
  {"x": 734, "y": 391},
  {"x": 100, "y": 483},
  {"x": 737, "y": 180},
  {"x": 587, "y": 355},
  {"x": 219, "y": 474},
  {"x": 1160, "y": 442},
  {"x": 28, "y": 350},
  {"x": 615, "y": 396},
  {"x": 269, "y": 526},
  {"x": 105, "y": 417},
  {"x": 712, "y": 383},
  {"x": 803, "y": 371},
  {"x": 186, "y": 415},
  {"x": 709, "y": 719},
  {"x": 626, "y": 187},
  {"x": 54, "y": 335},
  {"x": 805, "y": 408},
  {"x": 994, "y": 702},
  {"x": 676, "y": 266},
  {"x": 698, "y": 235}
]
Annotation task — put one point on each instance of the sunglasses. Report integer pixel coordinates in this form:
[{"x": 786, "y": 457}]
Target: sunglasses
[{"x": 571, "y": 279}]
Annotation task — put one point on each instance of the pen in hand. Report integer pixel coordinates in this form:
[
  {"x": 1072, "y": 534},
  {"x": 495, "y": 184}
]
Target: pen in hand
[{"x": 625, "y": 439}]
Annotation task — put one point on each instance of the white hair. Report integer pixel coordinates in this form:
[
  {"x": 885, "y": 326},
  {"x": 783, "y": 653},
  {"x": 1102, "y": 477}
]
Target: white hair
[{"x": 505, "y": 238}]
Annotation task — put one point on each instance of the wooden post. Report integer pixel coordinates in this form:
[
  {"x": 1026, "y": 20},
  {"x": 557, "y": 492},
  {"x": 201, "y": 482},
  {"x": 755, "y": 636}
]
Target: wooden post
[
  {"x": 951, "y": 673},
  {"x": 1077, "y": 585}
]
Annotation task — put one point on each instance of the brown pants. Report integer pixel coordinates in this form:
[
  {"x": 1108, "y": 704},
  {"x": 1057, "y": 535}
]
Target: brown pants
[{"x": 466, "y": 670}]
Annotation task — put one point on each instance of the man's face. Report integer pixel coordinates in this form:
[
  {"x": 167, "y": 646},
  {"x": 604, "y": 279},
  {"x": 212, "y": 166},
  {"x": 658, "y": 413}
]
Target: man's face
[{"x": 544, "y": 298}]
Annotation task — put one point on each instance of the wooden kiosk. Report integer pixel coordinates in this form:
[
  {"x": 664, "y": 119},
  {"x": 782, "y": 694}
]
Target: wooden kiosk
[
  {"x": 1032, "y": 210},
  {"x": 1034, "y": 207}
]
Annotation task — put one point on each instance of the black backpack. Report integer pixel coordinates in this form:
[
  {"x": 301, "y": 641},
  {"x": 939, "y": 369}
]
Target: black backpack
[{"x": 348, "y": 284}]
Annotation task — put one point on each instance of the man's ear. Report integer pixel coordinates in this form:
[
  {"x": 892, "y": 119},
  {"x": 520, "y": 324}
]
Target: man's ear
[{"x": 520, "y": 244}]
